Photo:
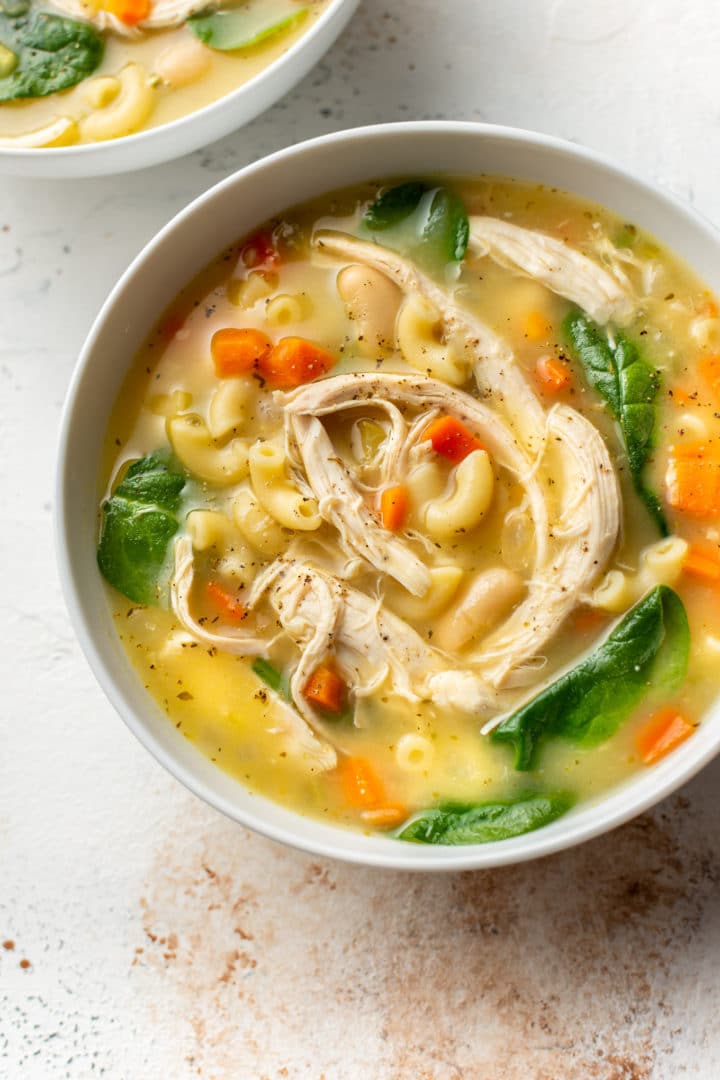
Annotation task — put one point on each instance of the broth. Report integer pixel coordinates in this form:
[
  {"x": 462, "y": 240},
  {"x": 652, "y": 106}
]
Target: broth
[{"x": 419, "y": 618}]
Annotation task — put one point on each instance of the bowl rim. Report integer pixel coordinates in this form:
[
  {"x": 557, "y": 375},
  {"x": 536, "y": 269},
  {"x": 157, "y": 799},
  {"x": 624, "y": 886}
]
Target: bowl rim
[
  {"x": 255, "y": 85},
  {"x": 611, "y": 808}
]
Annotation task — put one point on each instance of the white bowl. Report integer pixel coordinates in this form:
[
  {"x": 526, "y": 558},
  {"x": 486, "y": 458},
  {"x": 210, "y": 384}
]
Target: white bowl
[
  {"x": 197, "y": 129},
  {"x": 183, "y": 248}
]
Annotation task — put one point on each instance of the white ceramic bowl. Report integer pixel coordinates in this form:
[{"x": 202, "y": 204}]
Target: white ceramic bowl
[
  {"x": 197, "y": 129},
  {"x": 182, "y": 249}
]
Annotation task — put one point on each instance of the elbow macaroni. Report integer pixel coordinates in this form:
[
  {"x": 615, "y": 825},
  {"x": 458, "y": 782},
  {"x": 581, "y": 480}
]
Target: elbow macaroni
[
  {"x": 467, "y": 504},
  {"x": 275, "y": 493},
  {"x": 260, "y": 530},
  {"x": 193, "y": 444},
  {"x": 284, "y": 309},
  {"x": 126, "y": 113},
  {"x": 417, "y": 340},
  {"x": 444, "y": 583},
  {"x": 414, "y": 753},
  {"x": 229, "y": 407}
]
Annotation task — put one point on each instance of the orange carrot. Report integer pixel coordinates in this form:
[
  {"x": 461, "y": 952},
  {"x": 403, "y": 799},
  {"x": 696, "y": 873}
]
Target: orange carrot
[
  {"x": 661, "y": 734},
  {"x": 537, "y": 328},
  {"x": 703, "y": 562},
  {"x": 238, "y": 350},
  {"x": 451, "y": 439},
  {"x": 709, "y": 368},
  {"x": 553, "y": 375},
  {"x": 360, "y": 784},
  {"x": 325, "y": 689},
  {"x": 692, "y": 479},
  {"x": 385, "y": 817},
  {"x": 226, "y": 602},
  {"x": 394, "y": 504},
  {"x": 294, "y": 361},
  {"x": 129, "y": 12}
]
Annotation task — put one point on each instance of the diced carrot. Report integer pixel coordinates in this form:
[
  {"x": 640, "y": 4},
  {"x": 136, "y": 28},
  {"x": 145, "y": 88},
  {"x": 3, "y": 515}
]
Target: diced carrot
[
  {"x": 709, "y": 368},
  {"x": 360, "y": 784},
  {"x": 703, "y": 562},
  {"x": 129, "y": 12},
  {"x": 692, "y": 479},
  {"x": 226, "y": 603},
  {"x": 238, "y": 350},
  {"x": 259, "y": 252},
  {"x": 553, "y": 375},
  {"x": 537, "y": 328},
  {"x": 451, "y": 439},
  {"x": 394, "y": 504},
  {"x": 661, "y": 734},
  {"x": 385, "y": 817},
  {"x": 325, "y": 689},
  {"x": 294, "y": 361}
]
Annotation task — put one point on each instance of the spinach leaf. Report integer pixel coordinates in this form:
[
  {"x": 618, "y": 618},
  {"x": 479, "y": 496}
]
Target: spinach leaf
[
  {"x": 483, "y": 823},
  {"x": 648, "y": 648},
  {"x": 245, "y": 26},
  {"x": 394, "y": 205},
  {"x": 139, "y": 520},
  {"x": 629, "y": 384},
  {"x": 52, "y": 53},
  {"x": 429, "y": 223},
  {"x": 272, "y": 678}
]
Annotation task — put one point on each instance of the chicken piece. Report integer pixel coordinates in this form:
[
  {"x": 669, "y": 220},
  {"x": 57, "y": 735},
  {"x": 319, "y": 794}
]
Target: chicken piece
[
  {"x": 500, "y": 381},
  {"x": 369, "y": 644},
  {"x": 572, "y": 544},
  {"x": 288, "y": 723},
  {"x": 603, "y": 295},
  {"x": 163, "y": 13}
]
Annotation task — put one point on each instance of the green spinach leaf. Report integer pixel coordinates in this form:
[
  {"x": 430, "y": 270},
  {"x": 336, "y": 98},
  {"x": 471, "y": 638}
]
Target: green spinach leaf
[
  {"x": 247, "y": 25},
  {"x": 272, "y": 678},
  {"x": 52, "y": 53},
  {"x": 629, "y": 384},
  {"x": 139, "y": 520},
  {"x": 648, "y": 648},
  {"x": 483, "y": 823},
  {"x": 429, "y": 223}
]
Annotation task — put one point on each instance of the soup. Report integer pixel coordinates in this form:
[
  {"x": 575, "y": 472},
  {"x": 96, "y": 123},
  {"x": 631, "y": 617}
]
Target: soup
[
  {"x": 83, "y": 71},
  {"x": 411, "y": 507}
]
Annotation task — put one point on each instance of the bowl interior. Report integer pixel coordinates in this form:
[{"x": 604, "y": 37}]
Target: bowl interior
[{"x": 180, "y": 251}]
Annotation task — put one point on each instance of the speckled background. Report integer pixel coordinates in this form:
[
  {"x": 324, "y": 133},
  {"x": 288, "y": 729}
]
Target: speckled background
[{"x": 145, "y": 936}]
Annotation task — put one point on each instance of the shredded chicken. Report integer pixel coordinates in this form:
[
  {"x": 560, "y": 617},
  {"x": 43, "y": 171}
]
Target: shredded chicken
[
  {"x": 370, "y": 645},
  {"x": 571, "y": 549},
  {"x": 602, "y": 294},
  {"x": 163, "y": 13},
  {"x": 500, "y": 381},
  {"x": 300, "y": 737}
]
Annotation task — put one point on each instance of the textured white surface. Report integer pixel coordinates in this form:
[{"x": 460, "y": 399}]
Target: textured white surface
[{"x": 165, "y": 942}]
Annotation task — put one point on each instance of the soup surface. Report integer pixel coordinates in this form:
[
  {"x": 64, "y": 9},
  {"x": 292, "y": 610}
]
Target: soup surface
[
  {"x": 411, "y": 507},
  {"x": 89, "y": 70}
]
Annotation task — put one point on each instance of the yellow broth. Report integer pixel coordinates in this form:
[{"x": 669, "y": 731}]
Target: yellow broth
[{"x": 216, "y": 701}]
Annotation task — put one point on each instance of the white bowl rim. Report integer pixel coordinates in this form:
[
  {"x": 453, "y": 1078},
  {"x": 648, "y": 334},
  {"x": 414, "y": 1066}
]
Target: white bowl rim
[
  {"x": 610, "y": 809},
  {"x": 138, "y": 139}
]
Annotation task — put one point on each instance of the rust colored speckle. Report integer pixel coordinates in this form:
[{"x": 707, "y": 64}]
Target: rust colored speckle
[
  {"x": 9, "y": 945},
  {"x": 25, "y": 964},
  {"x": 558, "y": 970}
]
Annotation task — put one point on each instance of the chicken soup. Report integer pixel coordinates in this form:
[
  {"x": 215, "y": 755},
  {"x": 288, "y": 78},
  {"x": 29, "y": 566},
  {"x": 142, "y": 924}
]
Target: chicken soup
[
  {"x": 411, "y": 509},
  {"x": 83, "y": 71}
]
